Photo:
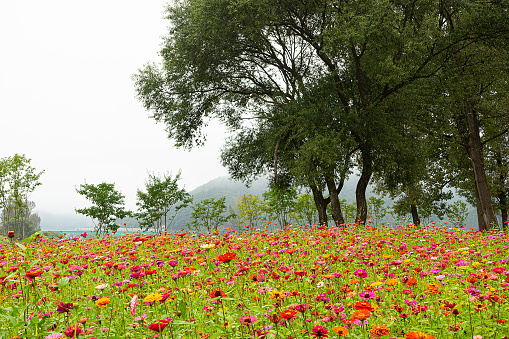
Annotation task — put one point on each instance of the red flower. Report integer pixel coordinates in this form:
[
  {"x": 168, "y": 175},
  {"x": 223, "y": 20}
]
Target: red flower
[
  {"x": 288, "y": 314},
  {"x": 217, "y": 293},
  {"x": 159, "y": 325},
  {"x": 226, "y": 258}
]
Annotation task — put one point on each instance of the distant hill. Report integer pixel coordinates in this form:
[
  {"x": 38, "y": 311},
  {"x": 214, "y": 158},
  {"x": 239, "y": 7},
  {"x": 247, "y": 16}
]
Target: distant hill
[{"x": 218, "y": 187}]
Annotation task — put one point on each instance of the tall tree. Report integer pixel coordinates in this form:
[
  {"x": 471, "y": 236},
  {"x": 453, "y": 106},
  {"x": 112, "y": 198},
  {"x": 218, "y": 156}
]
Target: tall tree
[
  {"x": 18, "y": 179},
  {"x": 232, "y": 60}
]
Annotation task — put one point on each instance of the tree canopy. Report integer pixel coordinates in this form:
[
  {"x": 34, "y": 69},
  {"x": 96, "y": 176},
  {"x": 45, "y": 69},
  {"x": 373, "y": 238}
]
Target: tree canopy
[{"x": 314, "y": 87}]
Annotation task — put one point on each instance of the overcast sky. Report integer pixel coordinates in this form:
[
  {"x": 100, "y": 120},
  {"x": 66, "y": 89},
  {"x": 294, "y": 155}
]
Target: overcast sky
[{"x": 67, "y": 100}]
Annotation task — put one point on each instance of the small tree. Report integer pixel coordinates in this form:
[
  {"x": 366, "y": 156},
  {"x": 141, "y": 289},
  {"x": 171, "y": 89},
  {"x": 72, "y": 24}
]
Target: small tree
[
  {"x": 108, "y": 206},
  {"x": 349, "y": 209},
  {"x": 305, "y": 209},
  {"x": 17, "y": 181},
  {"x": 376, "y": 208},
  {"x": 209, "y": 214},
  {"x": 458, "y": 212},
  {"x": 251, "y": 208},
  {"x": 281, "y": 203},
  {"x": 162, "y": 196}
]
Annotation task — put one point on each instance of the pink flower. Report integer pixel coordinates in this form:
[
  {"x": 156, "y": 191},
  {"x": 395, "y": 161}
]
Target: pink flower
[
  {"x": 248, "y": 319},
  {"x": 133, "y": 303},
  {"x": 366, "y": 295}
]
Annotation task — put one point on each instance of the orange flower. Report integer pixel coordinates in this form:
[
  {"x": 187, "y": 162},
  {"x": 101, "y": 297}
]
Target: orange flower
[
  {"x": 364, "y": 305},
  {"x": 379, "y": 330},
  {"x": 418, "y": 335},
  {"x": 102, "y": 302},
  {"x": 340, "y": 330},
  {"x": 411, "y": 282},
  {"x": 361, "y": 315}
]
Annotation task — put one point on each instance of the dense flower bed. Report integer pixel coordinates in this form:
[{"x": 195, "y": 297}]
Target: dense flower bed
[{"x": 313, "y": 282}]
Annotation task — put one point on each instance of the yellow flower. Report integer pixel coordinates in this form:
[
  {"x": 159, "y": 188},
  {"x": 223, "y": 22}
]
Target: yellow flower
[
  {"x": 207, "y": 246},
  {"x": 476, "y": 264},
  {"x": 153, "y": 297},
  {"x": 276, "y": 294},
  {"x": 376, "y": 284}
]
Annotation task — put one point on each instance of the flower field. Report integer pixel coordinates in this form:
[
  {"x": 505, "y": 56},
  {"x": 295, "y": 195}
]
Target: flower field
[{"x": 305, "y": 282}]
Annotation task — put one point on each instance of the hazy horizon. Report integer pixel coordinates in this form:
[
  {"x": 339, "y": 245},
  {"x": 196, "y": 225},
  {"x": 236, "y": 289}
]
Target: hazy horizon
[{"x": 69, "y": 100}]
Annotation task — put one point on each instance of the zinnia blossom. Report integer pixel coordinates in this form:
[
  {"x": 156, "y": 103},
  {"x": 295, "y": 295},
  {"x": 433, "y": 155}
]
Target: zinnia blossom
[
  {"x": 361, "y": 273},
  {"x": 319, "y": 332},
  {"x": 418, "y": 335},
  {"x": 288, "y": 314},
  {"x": 366, "y": 295},
  {"x": 364, "y": 305},
  {"x": 227, "y": 257},
  {"x": 248, "y": 319},
  {"x": 361, "y": 315},
  {"x": 133, "y": 303},
  {"x": 159, "y": 325},
  {"x": 217, "y": 293},
  {"x": 339, "y": 330},
  {"x": 153, "y": 297},
  {"x": 74, "y": 331},
  {"x": 102, "y": 302},
  {"x": 379, "y": 330}
]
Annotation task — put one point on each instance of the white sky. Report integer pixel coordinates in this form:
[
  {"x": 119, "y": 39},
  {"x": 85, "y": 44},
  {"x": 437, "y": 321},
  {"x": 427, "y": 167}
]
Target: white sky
[{"x": 67, "y": 100}]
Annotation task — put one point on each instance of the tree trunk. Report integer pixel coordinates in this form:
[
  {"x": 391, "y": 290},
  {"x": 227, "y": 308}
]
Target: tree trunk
[
  {"x": 321, "y": 204},
  {"x": 362, "y": 185},
  {"x": 502, "y": 193},
  {"x": 337, "y": 214},
  {"x": 415, "y": 215},
  {"x": 487, "y": 218},
  {"x": 502, "y": 198}
]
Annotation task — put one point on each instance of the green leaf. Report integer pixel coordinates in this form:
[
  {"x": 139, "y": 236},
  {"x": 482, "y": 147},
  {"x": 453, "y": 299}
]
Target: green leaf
[
  {"x": 63, "y": 282},
  {"x": 23, "y": 248},
  {"x": 181, "y": 322},
  {"x": 183, "y": 310}
]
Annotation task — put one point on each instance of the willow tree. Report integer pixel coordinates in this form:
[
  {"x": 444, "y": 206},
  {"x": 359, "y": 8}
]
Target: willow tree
[{"x": 233, "y": 60}]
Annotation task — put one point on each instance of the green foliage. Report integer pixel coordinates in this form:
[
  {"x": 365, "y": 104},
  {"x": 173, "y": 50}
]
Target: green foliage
[
  {"x": 107, "y": 206},
  {"x": 314, "y": 88},
  {"x": 349, "y": 210},
  {"x": 209, "y": 214},
  {"x": 305, "y": 210},
  {"x": 376, "y": 208},
  {"x": 457, "y": 212},
  {"x": 162, "y": 196},
  {"x": 281, "y": 203},
  {"x": 17, "y": 181}
]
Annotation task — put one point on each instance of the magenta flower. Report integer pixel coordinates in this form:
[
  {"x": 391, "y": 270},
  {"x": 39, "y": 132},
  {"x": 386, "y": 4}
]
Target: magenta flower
[
  {"x": 361, "y": 273},
  {"x": 366, "y": 295},
  {"x": 73, "y": 331},
  {"x": 319, "y": 332}
]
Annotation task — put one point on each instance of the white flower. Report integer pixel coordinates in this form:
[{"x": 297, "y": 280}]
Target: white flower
[
  {"x": 101, "y": 286},
  {"x": 320, "y": 284}
]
